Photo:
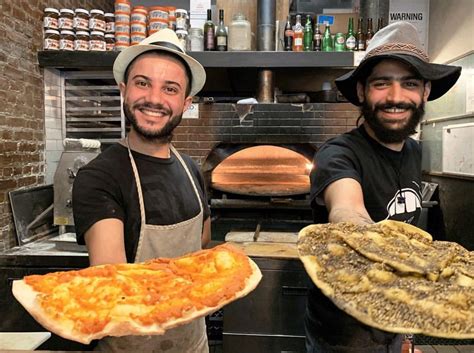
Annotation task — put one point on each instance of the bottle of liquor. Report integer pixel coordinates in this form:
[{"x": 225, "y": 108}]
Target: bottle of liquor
[
  {"x": 221, "y": 33},
  {"x": 308, "y": 35},
  {"x": 327, "y": 39},
  {"x": 288, "y": 35},
  {"x": 317, "y": 38},
  {"x": 209, "y": 35},
  {"x": 360, "y": 36},
  {"x": 380, "y": 24},
  {"x": 350, "y": 38},
  {"x": 298, "y": 35},
  {"x": 370, "y": 32}
]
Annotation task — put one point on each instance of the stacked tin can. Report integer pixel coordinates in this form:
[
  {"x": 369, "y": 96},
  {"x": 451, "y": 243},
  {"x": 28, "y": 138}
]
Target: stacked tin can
[
  {"x": 158, "y": 18},
  {"x": 182, "y": 26},
  {"x": 138, "y": 26},
  {"x": 50, "y": 26},
  {"x": 122, "y": 24}
]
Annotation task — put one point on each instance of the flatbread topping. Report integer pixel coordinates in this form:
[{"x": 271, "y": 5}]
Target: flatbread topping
[
  {"x": 393, "y": 276},
  {"x": 137, "y": 299}
]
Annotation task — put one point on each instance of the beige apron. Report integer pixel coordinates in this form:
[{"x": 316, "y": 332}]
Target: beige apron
[{"x": 165, "y": 241}]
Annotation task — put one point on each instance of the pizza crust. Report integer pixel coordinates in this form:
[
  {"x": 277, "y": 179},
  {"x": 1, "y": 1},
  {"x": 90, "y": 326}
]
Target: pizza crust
[
  {"x": 27, "y": 296},
  {"x": 383, "y": 297}
]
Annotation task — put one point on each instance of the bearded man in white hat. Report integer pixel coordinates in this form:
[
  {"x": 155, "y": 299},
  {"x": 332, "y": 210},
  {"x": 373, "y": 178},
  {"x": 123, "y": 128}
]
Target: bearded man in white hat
[
  {"x": 373, "y": 172},
  {"x": 140, "y": 198}
]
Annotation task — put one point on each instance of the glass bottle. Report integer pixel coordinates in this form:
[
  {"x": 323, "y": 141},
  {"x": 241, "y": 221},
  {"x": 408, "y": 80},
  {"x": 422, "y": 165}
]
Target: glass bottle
[
  {"x": 360, "y": 36},
  {"x": 317, "y": 38},
  {"x": 298, "y": 35},
  {"x": 380, "y": 24},
  {"x": 221, "y": 33},
  {"x": 308, "y": 35},
  {"x": 288, "y": 35},
  {"x": 350, "y": 38},
  {"x": 240, "y": 34},
  {"x": 209, "y": 35},
  {"x": 370, "y": 32},
  {"x": 327, "y": 39}
]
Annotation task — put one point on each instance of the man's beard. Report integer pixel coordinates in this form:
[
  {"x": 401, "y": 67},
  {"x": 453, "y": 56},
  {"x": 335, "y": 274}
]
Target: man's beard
[
  {"x": 387, "y": 135},
  {"x": 164, "y": 135}
]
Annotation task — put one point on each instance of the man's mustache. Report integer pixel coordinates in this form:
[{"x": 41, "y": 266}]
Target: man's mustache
[
  {"x": 151, "y": 106},
  {"x": 407, "y": 106}
]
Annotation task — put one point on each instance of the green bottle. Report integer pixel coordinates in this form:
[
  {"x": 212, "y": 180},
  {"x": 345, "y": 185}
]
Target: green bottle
[
  {"x": 308, "y": 35},
  {"x": 350, "y": 37},
  {"x": 327, "y": 39}
]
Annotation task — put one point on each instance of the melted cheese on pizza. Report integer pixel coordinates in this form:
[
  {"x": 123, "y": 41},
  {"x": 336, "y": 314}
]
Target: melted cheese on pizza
[{"x": 147, "y": 293}]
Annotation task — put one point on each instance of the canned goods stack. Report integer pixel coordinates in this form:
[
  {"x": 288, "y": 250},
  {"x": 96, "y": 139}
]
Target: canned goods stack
[
  {"x": 122, "y": 24},
  {"x": 50, "y": 25},
  {"x": 94, "y": 30},
  {"x": 78, "y": 29},
  {"x": 158, "y": 17},
  {"x": 109, "y": 31},
  {"x": 138, "y": 25}
]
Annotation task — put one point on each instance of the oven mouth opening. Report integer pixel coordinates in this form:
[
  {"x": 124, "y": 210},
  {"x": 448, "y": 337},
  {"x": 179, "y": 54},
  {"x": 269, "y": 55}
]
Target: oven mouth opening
[{"x": 262, "y": 171}]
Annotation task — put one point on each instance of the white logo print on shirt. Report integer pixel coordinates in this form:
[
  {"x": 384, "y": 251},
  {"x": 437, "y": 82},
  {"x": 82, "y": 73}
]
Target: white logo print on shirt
[{"x": 405, "y": 201}]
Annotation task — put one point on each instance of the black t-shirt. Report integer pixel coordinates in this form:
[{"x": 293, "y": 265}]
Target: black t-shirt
[
  {"x": 390, "y": 183},
  {"x": 106, "y": 188},
  {"x": 390, "y": 180}
]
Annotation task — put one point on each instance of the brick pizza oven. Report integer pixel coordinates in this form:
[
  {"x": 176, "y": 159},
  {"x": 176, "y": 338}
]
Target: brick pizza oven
[{"x": 256, "y": 159}]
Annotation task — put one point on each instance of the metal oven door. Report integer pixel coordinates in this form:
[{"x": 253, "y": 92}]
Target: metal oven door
[{"x": 270, "y": 319}]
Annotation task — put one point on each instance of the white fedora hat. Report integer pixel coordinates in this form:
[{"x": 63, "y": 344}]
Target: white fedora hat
[{"x": 163, "y": 40}]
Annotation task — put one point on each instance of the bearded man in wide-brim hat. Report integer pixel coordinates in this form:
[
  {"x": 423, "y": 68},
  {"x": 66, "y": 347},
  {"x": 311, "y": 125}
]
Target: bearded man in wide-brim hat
[{"x": 373, "y": 172}]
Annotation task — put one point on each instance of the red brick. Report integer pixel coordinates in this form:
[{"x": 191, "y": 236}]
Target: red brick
[
  {"x": 23, "y": 135},
  {"x": 27, "y": 147},
  {"x": 27, "y": 181},
  {"x": 8, "y": 184}
]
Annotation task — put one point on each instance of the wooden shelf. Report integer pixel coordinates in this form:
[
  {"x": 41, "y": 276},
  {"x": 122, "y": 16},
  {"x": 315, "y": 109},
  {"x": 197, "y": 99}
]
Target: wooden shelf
[{"x": 251, "y": 59}]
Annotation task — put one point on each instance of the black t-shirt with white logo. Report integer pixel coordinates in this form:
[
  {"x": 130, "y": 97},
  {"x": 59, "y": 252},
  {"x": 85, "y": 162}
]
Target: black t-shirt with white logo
[
  {"x": 106, "y": 188},
  {"x": 390, "y": 180}
]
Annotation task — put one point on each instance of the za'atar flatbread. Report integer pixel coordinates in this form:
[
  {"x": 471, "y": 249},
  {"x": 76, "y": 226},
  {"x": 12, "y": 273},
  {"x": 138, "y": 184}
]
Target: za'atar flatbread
[
  {"x": 393, "y": 276},
  {"x": 137, "y": 299}
]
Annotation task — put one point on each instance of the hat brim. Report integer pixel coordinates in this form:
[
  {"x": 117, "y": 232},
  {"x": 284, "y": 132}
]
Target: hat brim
[
  {"x": 442, "y": 77},
  {"x": 126, "y": 56}
]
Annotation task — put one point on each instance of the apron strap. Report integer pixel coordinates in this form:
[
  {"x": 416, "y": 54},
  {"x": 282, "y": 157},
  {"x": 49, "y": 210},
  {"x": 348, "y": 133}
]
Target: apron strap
[
  {"x": 139, "y": 185},
  {"x": 189, "y": 176}
]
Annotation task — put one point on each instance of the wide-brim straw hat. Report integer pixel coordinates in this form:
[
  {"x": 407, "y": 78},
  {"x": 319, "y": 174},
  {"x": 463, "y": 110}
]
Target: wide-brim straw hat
[
  {"x": 400, "y": 41},
  {"x": 163, "y": 40}
]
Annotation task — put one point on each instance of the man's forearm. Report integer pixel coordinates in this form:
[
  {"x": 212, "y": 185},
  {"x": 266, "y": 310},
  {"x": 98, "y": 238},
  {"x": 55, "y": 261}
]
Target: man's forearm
[{"x": 340, "y": 214}]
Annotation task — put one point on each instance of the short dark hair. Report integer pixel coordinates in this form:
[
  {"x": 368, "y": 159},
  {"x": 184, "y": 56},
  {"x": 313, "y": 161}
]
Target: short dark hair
[{"x": 165, "y": 54}]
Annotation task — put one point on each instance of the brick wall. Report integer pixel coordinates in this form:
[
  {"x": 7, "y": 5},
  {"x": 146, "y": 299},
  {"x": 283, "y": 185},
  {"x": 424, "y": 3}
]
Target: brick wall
[
  {"x": 310, "y": 123},
  {"x": 22, "y": 122}
]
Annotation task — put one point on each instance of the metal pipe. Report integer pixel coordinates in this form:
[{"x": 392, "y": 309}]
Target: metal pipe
[
  {"x": 266, "y": 14},
  {"x": 266, "y": 87},
  {"x": 374, "y": 9}
]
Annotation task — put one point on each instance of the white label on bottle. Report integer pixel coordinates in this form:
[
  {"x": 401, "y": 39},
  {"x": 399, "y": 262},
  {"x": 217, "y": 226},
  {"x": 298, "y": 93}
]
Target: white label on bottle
[
  {"x": 351, "y": 42},
  {"x": 298, "y": 41},
  {"x": 222, "y": 40}
]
